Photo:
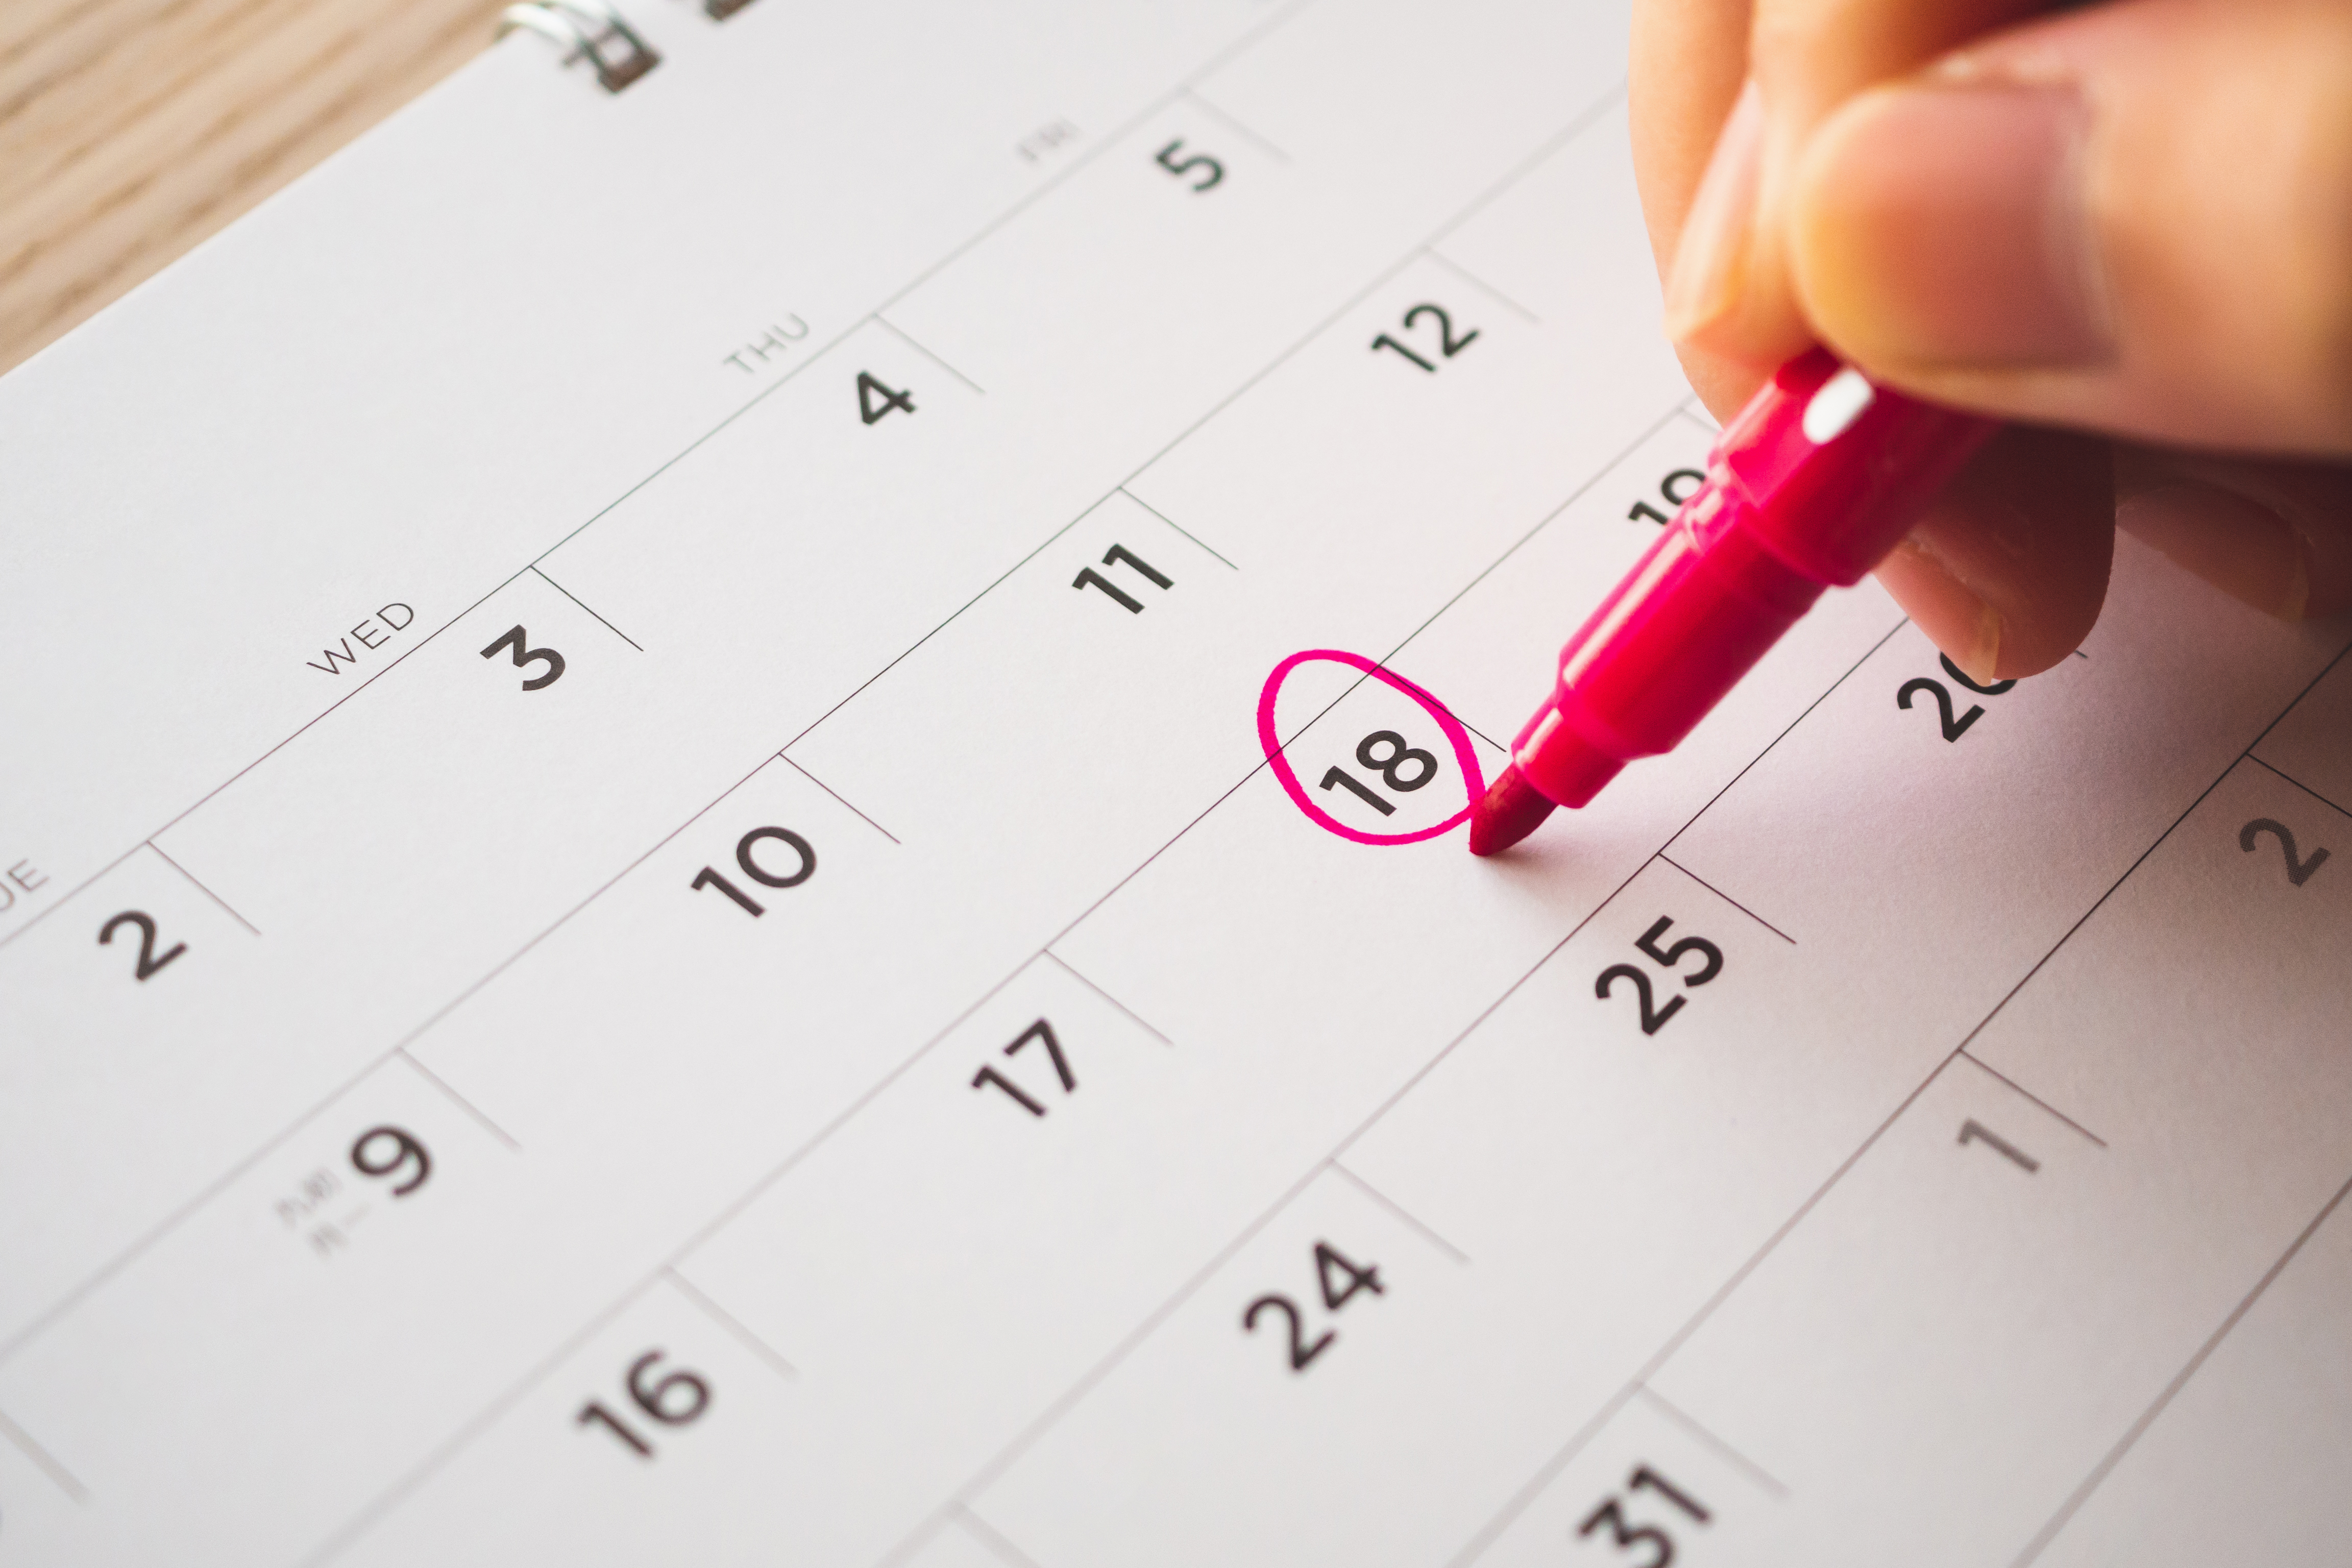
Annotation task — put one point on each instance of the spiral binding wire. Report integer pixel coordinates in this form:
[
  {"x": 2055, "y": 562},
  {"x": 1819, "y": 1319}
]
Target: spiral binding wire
[{"x": 589, "y": 28}]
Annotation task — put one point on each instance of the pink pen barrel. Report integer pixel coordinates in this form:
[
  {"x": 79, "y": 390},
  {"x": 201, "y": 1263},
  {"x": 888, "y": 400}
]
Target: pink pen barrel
[{"x": 1820, "y": 475}]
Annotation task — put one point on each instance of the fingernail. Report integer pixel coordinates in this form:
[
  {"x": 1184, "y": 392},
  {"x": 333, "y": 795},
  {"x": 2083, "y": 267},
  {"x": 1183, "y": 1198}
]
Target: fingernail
[
  {"x": 2238, "y": 545},
  {"x": 1711, "y": 257},
  {"x": 1955, "y": 616},
  {"x": 1949, "y": 225},
  {"x": 1981, "y": 656}
]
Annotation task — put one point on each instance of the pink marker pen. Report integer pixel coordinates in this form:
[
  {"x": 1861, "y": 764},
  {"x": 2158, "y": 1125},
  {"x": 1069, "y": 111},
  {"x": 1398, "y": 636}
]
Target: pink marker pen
[{"x": 1820, "y": 475}]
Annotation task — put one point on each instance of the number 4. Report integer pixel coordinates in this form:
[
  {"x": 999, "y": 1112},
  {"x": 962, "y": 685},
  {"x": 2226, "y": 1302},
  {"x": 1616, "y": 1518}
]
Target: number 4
[
  {"x": 868, "y": 389},
  {"x": 1328, "y": 1258}
]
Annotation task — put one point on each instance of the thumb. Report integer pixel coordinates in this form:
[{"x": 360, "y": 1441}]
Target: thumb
[{"x": 2134, "y": 218}]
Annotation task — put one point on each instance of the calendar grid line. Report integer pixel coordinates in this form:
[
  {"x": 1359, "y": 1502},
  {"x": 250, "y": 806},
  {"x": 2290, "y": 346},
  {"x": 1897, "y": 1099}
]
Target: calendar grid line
[
  {"x": 1198, "y": 100},
  {"x": 2157, "y": 844},
  {"x": 734, "y": 1325},
  {"x": 199, "y": 886},
  {"x": 1069, "y": 1399},
  {"x": 1137, "y": 1019},
  {"x": 752, "y": 1135},
  {"x": 1691, "y": 1424},
  {"x": 1983, "y": 1066},
  {"x": 35, "y": 1327},
  {"x": 1724, "y": 1293},
  {"x": 1577, "y": 126},
  {"x": 48, "y": 1463},
  {"x": 1869, "y": 654},
  {"x": 1447, "y": 262},
  {"x": 576, "y": 599},
  {"x": 1673, "y": 1342},
  {"x": 361, "y": 1518},
  {"x": 1726, "y": 898},
  {"x": 459, "y": 1100},
  {"x": 953, "y": 615},
  {"x": 1226, "y": 56},
  {"x": 68, "y": 896},
  {"x": 1002, "y": 1460},
  {"x": 989, "y": 1536},
  {"x": 43, "y": 1321},
  {"x": 1428, "y": 1232},
  {"x": 836, "y": 795},
  {"x": 1519, "y": 1501},
  {"x": 896, "y": 331},
  {"x": 1553, "y": 952},
  {"x": 1169, "y": 521},
  {"x": 2298, "y": 783},
  {"x": 1050, "y": 184},
  {"x": 2050, "y": 1532},
  {"x": 671, "y": 1265}
]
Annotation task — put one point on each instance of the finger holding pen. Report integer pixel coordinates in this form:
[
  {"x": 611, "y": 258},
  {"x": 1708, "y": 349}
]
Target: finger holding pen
[{"x": 2133, "y": 220}]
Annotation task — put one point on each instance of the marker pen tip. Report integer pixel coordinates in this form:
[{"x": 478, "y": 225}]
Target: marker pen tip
[{"x": 1510, "y": 811}]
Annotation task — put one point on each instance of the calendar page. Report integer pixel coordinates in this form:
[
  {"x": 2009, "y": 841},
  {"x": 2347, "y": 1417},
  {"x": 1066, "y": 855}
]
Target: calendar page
[{"x": 735, "y": 834}]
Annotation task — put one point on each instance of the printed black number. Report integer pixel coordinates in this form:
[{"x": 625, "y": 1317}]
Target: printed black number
[
  {"x": 1953, "y": 728},
  {"x": 1337, "y": 1279},
  {"x": 1625, "y": 1535},
  {"x": 1975, "y": 1132},
  {"x": 1331, "y": 1263},
  {"x": 1392, "y": 769},
  {"x": 1400, "y": 754},
  {"x": 1042, "y": 1033},
  {"x": 677, "y": 1399},
  {"x": 2298, "y": 872},
  {"x": 1211, "y": 171},
  {"x": 515, "y": 639},
  {"x": 1676, "y": 488},
  {"x": 1301, "y": 1352},
  {"x": 869, "y": 390},
  {"x": 1654, "y": 1017},
  {"x": 149, "y": 962},
  {"x": 1995, "y": 689},
  {"x": 1448, "y": 345},
  {"x": 391, "y": 1153},
  {"x": 804, "y": 868},
  {"x": 1120, "y": 555},
  {"x": 1672, "y": 957}
]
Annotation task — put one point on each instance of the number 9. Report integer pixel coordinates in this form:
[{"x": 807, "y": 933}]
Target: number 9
[{"x": 405, "y": 1151}]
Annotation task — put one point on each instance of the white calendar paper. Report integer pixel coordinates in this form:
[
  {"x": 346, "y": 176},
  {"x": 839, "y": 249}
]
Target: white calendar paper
[{"x": 733, "y": 836}]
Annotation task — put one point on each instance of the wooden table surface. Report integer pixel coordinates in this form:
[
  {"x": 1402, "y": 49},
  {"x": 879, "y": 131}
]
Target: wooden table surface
[{"x": 131, "y": 128}]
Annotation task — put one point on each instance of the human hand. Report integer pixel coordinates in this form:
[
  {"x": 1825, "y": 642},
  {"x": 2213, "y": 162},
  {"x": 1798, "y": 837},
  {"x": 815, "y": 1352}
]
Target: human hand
[{"x": 2128, "y": 223}]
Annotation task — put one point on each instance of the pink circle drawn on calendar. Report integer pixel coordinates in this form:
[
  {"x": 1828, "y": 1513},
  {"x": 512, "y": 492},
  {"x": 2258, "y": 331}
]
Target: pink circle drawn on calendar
[{"x": 1465, "y": 756}]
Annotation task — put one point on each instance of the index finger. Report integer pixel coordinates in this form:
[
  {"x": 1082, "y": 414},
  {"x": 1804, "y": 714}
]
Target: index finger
[{"x": 1729, "y": 291}]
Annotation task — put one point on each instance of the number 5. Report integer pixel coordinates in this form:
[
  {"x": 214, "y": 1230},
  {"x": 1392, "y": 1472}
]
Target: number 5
[
  {"x": 1648, "y": 942},
  {"x": 1197, "y": 161}
]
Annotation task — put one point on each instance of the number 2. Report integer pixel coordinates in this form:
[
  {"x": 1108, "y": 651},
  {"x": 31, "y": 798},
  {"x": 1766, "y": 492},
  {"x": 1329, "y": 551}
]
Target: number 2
[
  {"x": 149, "y": 963},
  {"x": 2298, "y": 872},
  {"x": 1331, "y": 1265},
  {"x": 1654, "y": 1017},
  {"x": 1448, "y": 345},
  {"x": 1301, "y": 1352},
  {"x": 1953, "y": 728}
]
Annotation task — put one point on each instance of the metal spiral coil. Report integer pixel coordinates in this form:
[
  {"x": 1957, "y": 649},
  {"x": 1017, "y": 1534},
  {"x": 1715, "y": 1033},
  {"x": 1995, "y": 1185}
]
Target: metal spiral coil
[{"x": 594, "y": 29}]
